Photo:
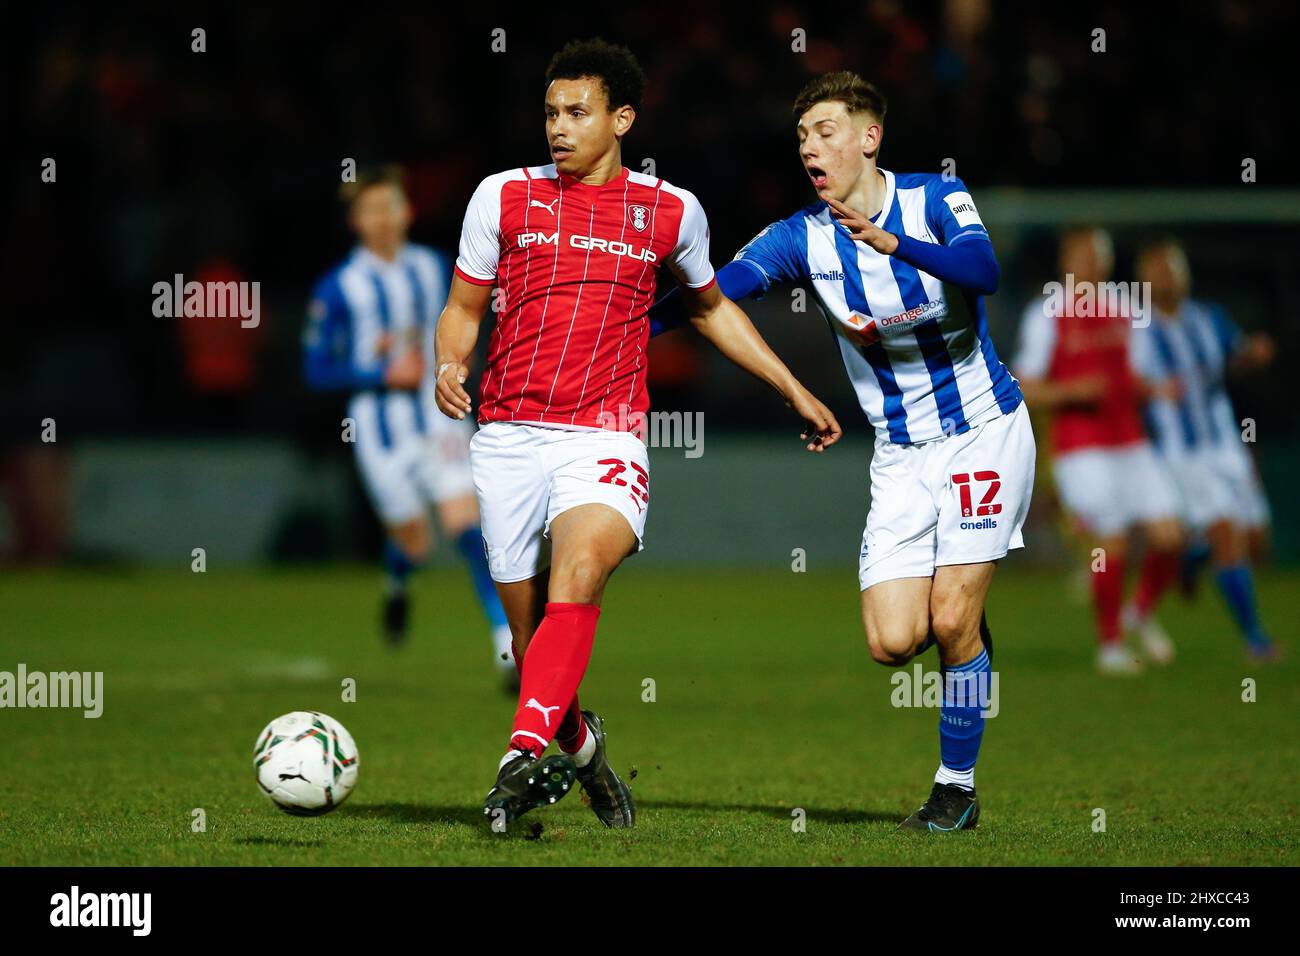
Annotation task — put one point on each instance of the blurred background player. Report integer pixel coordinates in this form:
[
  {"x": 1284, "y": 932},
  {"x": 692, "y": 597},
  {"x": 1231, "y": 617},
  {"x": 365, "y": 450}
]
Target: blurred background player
[
  {"x": 370, "y": 332},
  {"x": 1075, "y": 363},
  {"x": 1243, "y": 353},
  {"x": 1190, "y": 344}
]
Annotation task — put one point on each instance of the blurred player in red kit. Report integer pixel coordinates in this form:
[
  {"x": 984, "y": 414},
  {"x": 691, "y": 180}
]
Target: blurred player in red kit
[{"x": 1075, "y": 361}]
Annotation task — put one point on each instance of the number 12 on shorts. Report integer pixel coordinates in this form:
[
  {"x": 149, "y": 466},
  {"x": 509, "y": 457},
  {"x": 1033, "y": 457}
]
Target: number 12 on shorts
[{"x": 987, "y": 506}]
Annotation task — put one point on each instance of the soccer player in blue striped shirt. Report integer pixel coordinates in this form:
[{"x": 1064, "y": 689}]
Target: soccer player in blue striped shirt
[
  {"x": 953, "y": 467},
  {"x": 370, "y": 333},
  {"x": 1192, "y": 344}
]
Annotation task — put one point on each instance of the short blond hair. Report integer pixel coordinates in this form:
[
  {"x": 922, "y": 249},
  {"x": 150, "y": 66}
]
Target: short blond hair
[{"x": 390, "y": 174}]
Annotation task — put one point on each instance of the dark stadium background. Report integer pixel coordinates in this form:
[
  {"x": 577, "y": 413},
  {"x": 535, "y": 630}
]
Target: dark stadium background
[{"x": 226, "y": 163}]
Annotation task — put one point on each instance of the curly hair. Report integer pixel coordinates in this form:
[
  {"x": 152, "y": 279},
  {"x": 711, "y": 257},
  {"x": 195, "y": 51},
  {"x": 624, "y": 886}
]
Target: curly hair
[{"x": 615, "y": 66}]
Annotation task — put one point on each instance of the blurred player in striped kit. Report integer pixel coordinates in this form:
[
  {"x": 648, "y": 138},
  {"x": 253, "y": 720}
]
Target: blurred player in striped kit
[
  {"x": 1193, "y": 345},
  {"x": 1075, "y": 363},
  {"x": 370, "y": 332}
]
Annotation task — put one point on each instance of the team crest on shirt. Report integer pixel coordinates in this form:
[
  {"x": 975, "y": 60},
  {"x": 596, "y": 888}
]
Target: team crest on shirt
[{"x": 638, "y": 216}]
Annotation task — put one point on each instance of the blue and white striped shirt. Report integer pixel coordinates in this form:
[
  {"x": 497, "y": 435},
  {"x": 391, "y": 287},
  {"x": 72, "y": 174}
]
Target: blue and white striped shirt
[
  {"x": 359, "y": 305},
  {"x": 920, "y": 372},
  {"x": 1194, "y": 347}
]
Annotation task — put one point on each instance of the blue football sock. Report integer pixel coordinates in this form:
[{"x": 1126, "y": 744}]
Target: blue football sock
[
  {"x": 397, "y": 566},
  {"x": 966, "y": 689},
  {"x": 471, "y": 547},
  {"x": 1238, "y": 587}
]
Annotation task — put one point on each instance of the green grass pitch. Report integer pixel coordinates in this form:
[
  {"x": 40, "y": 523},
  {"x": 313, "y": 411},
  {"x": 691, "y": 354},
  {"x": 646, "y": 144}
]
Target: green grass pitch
[{"x": 766, "y": 702}]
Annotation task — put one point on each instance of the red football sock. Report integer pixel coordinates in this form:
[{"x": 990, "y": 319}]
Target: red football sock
[
  {"x": 573, "y": 729},
  {"x": 1107, "y": 596},
  {"x": 1159, "y": 568},
  {"x": 554, "y": 663}
]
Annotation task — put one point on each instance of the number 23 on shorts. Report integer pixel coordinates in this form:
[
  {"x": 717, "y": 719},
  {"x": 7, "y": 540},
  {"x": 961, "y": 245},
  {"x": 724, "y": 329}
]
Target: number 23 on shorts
[{"x": 639, "y": 489}]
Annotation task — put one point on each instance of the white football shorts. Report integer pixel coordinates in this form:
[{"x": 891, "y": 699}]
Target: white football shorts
[
  {"x": 526, "y": 475},
  {"x": 409, "y": 460},
  {"x": 1213, "y": 486},
  {"x": 961, "y": 499},
  {"x": 1109, "y": 490},
  {"x": 1235, "y": 465}
]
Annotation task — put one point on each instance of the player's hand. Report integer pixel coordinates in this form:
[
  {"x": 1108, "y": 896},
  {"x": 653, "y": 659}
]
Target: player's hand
[
  {"x": 1260, "y": 350},
  {"x": 449, "y": 392},
  {"x": 862, "y": 229},
  {"x": 1088, "y": 390},
  {"x": 823, "y": 430},
  {"x": 405, "y": 371},
  {"x": 1169, "y": 390}
]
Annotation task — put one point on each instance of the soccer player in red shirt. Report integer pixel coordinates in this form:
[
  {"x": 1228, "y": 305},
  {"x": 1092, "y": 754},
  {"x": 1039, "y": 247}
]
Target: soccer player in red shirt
[
  {"x": 574, "y": 249},
  {"x": 1075, "y": 361}
]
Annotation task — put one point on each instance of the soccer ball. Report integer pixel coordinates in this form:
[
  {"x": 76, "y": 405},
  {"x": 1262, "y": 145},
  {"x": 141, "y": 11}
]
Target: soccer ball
[{"x": 306, "y": 763}]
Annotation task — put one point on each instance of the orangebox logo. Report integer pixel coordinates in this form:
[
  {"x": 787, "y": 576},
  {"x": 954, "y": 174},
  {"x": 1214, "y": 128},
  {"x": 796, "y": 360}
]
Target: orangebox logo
[{"x": 103, "y": 909}]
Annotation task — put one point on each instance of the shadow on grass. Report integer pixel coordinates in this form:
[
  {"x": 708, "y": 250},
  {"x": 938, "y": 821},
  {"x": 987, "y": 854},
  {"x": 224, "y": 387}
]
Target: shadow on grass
[
  {"x": 820, "y": 814},
  {"x": 472, "y": 816},
  {"x": 280, "y": 841},
  {"x": 420, "y": 813}
]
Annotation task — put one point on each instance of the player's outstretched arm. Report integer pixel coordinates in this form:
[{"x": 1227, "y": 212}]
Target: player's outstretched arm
[
  {"x": 737, "y": 280},
  {"x": 723, "y": 323},
  {"x": 1032, "y": 366},
  {"x": 454, "y": 343},
  {"x": 1087, "y": 391}
]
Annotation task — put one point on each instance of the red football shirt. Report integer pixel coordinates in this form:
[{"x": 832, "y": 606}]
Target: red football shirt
[
  {"x": 575, "y": 266},
  {"x": 1061, "y": 346}
]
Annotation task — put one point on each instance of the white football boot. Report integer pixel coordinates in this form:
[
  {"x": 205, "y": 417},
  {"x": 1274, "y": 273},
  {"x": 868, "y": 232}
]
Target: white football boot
[
  {"x": 1116, "y": 660},
  {"x": 1156, "y": 644}
]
